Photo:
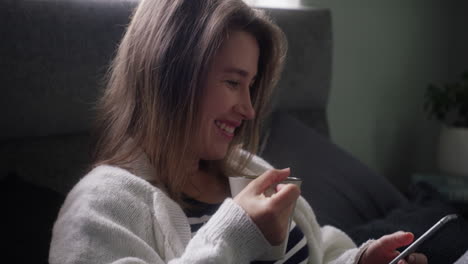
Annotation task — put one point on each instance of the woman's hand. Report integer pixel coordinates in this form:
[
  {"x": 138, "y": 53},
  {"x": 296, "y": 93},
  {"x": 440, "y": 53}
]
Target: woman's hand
[
  {"x": 384, "y": 250},
  {"x": 270, "y": 214}
]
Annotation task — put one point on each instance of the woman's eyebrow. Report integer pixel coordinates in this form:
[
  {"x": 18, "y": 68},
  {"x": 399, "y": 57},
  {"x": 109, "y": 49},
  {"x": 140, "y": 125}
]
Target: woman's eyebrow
[{"x": 238, "y": 71}]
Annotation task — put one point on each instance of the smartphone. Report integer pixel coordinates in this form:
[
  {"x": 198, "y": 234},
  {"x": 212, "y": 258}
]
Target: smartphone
[{"x": 412, "y": 247}]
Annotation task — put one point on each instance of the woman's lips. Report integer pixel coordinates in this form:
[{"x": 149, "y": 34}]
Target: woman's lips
[{"x": 227, "y": 128}]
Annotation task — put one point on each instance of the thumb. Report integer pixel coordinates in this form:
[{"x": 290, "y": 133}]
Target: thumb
[
  {"x": 264, "y": 181},
  {"x": 397, "y": 240}
]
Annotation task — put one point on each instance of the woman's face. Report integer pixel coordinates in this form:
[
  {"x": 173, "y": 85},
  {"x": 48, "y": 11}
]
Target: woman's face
[{"x": 226, "y": 102}]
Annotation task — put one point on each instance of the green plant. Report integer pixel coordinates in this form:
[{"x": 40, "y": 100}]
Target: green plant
[{"x": 449, "y": 103}]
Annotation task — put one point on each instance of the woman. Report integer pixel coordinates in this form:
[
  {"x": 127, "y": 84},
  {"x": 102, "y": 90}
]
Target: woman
[{"x": 186, "y": 94}]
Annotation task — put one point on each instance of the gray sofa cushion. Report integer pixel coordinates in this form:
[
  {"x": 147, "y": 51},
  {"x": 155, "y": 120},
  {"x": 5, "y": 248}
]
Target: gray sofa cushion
[
  {"x": 342, "y": 191},
  {"x": 54, "y": 162}
]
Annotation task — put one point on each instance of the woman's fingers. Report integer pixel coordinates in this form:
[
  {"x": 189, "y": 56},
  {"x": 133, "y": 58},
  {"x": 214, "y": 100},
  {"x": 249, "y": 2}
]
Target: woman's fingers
[
  {"x": 285, "y": 196},
  {"x": 396, "y": 240},
  {"x": 271, "y": 214},
  {"x": 384, "y": 249},
  {"x": 417, "y": 258},
  {"x": 267, "y": 179}
]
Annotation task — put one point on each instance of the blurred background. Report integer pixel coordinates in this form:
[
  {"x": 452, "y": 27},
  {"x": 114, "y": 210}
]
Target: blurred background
[{"x": 385, "y": 53}]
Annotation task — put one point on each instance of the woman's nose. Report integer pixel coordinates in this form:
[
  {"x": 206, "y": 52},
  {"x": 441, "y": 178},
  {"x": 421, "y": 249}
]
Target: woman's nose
[{"x": 245, "y": 108}]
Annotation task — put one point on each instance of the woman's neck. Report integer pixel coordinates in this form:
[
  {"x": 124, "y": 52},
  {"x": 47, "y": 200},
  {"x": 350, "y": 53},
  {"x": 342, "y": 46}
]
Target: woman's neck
[{"x": 207, "y": 186}]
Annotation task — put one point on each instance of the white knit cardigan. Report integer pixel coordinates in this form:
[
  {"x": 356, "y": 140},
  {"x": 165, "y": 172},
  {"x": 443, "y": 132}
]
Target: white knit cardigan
[{"x": 114, "y": 216}]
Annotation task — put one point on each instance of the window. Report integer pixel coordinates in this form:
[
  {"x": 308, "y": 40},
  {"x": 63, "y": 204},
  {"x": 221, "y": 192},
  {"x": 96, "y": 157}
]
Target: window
[{"x": 275, "y": 3}]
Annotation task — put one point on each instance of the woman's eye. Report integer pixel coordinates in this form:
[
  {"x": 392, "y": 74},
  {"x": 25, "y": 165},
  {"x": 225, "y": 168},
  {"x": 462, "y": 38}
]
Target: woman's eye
[{"x": 232, "y": 84}]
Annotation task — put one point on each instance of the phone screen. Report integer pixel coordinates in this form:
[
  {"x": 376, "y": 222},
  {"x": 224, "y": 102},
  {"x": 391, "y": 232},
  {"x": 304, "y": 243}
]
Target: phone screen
[{"x": 413, "y": 246}]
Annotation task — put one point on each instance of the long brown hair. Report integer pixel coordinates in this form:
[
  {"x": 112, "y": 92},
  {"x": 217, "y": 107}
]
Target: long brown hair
[{"x": 151, "y": 101}]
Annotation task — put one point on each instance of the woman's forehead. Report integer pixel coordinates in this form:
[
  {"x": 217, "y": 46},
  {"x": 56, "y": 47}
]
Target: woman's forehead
[{"x": 238, "y": 54}]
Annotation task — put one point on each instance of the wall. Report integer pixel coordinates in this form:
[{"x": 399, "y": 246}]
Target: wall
[
  {"x": 385, "y": 54},
  {"x": 459, "y": 40}
]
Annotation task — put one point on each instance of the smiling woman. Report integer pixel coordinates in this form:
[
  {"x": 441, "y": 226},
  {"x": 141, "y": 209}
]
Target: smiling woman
[
  {"x": 226, "y": 102},
  {"x": 186, "y": 93},
  {"x": 168, "y": 89}
]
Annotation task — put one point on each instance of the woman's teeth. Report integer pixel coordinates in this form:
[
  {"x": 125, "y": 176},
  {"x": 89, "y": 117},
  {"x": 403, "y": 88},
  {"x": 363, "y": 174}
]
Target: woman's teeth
[{"x": 225, "y": 127}]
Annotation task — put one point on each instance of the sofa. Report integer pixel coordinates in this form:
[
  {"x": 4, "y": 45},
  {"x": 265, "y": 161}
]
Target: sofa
[{"x": 54, "y": 55}]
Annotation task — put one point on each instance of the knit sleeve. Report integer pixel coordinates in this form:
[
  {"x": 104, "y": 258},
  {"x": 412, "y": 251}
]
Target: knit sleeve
[
  {"x": 338, "y": 248},
  {"x": 230, "y": 236},
  {"x": 105, "y": 220},
  {"x": 108, "y": 218}
]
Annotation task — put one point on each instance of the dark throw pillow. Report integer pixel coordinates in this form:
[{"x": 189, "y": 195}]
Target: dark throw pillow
[
  {"x": 342, "y": 191},
  {"x": 28, "y": 217}
]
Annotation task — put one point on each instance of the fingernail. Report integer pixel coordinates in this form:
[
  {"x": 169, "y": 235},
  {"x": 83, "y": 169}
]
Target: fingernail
[
  {"x": 411, "y": 258},
  {"x": 279, "y": 186}
]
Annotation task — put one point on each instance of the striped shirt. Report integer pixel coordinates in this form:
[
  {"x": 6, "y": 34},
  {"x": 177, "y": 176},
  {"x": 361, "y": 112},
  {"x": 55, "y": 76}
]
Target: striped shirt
[{"x": 296, "y": 250}]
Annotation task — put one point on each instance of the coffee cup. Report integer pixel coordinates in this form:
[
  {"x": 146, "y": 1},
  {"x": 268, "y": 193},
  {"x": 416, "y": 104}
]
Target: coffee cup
[{"x": 238, "y": 183}]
